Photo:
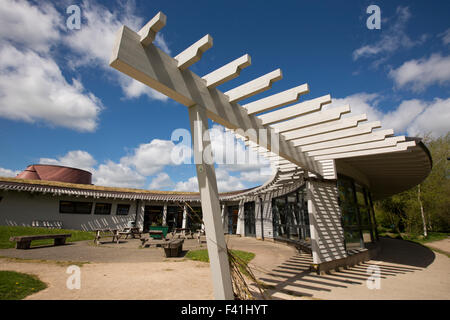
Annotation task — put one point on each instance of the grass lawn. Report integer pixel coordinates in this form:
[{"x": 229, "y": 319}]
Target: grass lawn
[
  {"x": 7, "y": 231},
  {"x": 202, "y": 255},
  {"x": 16, "y": 286},
  {"x": 432, "y": 236}
]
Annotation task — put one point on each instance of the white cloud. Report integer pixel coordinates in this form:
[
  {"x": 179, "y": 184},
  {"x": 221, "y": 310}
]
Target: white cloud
[
  {"x": 117, "y": 175},
  {"x": 191, "y": 185},
  {"x": 434, "y": 119},
  {"x": 419, "y": 74},
  {"x": 94, "y": 42},
  {"x": 392, "y": 38},
  {"x": 32, "y": 88},
  {"x": 76, "y": 159},
  {"x": 8, "y": 173},
  {"x": 150, "y": 158},
  {"x": 414, "y": 117},
  {"x": 161, "y": 181},
  {"x": 25, "y": 24},
  {"x": 445, "y": 36}
]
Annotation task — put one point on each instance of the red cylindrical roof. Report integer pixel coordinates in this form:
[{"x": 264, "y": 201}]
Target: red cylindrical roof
[{"x": 56, "y": 173}]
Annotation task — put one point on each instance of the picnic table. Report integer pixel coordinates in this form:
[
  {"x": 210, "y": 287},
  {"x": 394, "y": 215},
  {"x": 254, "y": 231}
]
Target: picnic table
[
  {"x": 101, "y": 233},
  {"x": 130, "y": 231},
  {"x": 159, "y": 234},
  {"x": 182, "y": 232}
]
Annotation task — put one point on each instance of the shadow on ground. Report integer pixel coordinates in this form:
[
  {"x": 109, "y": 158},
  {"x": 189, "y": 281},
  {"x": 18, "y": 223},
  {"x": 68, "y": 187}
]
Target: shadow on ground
[{"x": 293, "y": 277}]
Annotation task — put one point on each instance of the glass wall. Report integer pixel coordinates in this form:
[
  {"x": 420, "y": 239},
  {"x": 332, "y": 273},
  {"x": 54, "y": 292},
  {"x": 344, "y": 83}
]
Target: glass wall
[
  {"x": 249, "y": 219},
  {"x": 290, "y": 216},
  {"x": 358, "y": 220}
]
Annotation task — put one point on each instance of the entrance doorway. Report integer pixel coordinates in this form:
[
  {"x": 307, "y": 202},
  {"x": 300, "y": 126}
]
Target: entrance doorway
[
  {"x": 232, "y": 219},
  {"x": 152, "y": 214}
]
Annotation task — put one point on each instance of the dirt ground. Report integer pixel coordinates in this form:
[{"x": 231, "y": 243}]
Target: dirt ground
[{"x": 408, "y": 271}]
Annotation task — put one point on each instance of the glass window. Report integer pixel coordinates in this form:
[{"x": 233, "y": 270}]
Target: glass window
[
  {"x": 75, "y": 207},
  {"x": 290, "y": 216},
  {"x": 122, "y": 209},
  {"x": 357, "y": 213},
  {"x": 102, "y": 208}
]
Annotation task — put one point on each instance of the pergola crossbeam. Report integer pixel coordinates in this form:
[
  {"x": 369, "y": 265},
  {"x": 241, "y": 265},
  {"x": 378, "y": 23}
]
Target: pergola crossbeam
[
  {"x": 193, "y": 54},
  {"x": 227, "y": 72},
  {"x": 276, "y": 100},
  {"x": 368, "y": 137},
  {"x": 253, "y": 87},
  {"x": 148, "y": 32},
  {"x": 311, "y": 119},
  {"x": 295, "y": 110}
]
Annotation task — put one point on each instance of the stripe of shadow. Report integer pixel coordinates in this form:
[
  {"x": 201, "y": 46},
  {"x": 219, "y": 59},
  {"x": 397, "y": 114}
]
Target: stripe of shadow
[
  {"x": 304, "y": 286},
  {"x": 382, "y": 271},
  {"x": 358, "y": 274},
  {"x": 347, "y": 276},
  {"x": 321, "y": 282},
  {"x": 404, "y": 269},
  {"x": 293, "y": 264},
  {"x": 294, "y": 293},
  {"x": 292, "y": 268},
  {"x": 395, "y": 267},
  {"x": 332, "y": 279}
]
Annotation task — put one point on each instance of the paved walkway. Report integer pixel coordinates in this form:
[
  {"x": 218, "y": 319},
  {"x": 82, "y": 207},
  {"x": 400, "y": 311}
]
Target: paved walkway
[
  {"x": 408, "y": 271},
  {"x": 443, "y": 245}
]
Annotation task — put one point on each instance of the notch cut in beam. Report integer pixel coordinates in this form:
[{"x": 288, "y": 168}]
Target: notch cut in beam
[
  {"x": 149, "y": 31},
  {"x": 193, "y": 54},
  {"x": 311, "y": 119},
  {"x": 253, "y": 87},
  {"x": 227, "y": 72},
  {"x": 277, "y": 100},
  {"x": 295, "y": 110}
]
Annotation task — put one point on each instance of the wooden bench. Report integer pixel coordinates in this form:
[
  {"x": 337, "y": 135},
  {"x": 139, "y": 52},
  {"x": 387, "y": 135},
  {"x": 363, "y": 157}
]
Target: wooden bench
[
  {"x": 24, "y": 242},
  {"x": 173, "y": 248}
]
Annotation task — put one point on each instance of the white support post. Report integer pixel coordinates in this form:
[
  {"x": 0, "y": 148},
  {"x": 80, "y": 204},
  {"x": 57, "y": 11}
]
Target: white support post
[
  {"x": 184, "y": 223},
  {"x": 240, "y": 223},
  {"x": 224, "y": 215},
  {"x": 164, "y": 219},
  {"x": 209, "y": 195}
]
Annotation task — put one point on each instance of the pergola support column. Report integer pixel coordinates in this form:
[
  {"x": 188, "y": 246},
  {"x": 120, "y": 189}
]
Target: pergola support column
[
  {"x": 164, "y": 218},
  {"x": 217, "y": 252},
  {"x": 327, "y": 234}
]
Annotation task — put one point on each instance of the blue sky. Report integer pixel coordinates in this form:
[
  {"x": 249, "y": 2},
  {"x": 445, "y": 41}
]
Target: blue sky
[{"x": 61, "y": 103}]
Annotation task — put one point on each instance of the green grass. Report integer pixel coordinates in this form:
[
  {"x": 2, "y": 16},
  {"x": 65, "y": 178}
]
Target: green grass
[
  {"x": 202, "y": 255},
  {"x": 432, "y": 236},
  {"x": 9, "y": 231},
  {"x": 16, "y": 286}
]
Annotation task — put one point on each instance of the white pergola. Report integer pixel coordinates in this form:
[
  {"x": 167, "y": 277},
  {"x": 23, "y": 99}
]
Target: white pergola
[{"x": 308, "y": 137}]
